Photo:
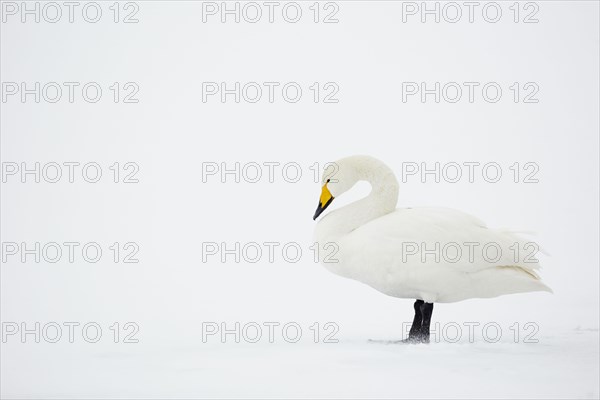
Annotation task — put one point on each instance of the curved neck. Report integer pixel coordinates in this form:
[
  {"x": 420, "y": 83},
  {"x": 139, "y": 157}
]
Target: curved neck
[{"x": 382, "y": 200}]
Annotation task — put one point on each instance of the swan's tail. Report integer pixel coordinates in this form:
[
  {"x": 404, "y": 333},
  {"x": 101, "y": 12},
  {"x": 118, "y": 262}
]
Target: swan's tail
[
  {"x": 509, "y": 279},
  {"x": 532, "y": 279}
]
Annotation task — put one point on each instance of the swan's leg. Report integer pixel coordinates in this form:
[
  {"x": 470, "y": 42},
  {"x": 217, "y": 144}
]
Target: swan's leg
[
  {"x": 415, "y": 329},
  {"x": 426, "y": 310},
  {"x": 414, "y": 335}
]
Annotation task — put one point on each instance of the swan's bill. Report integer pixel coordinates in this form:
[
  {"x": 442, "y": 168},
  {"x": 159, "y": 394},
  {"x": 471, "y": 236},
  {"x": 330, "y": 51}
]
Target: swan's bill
[{"x": 324, "y": 201}]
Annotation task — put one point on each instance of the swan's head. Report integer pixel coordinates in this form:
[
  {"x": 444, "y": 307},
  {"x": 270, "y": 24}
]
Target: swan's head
[{"x": 338, "y": 178}]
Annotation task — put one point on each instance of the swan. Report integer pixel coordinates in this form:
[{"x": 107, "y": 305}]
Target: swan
[{"x": 433, "y": 255}]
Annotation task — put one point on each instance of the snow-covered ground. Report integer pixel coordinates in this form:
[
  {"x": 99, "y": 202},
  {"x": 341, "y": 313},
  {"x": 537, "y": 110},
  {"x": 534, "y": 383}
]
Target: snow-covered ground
[
  {"x": 320, "y": 336},
  {"x": 561, "y": 365}
]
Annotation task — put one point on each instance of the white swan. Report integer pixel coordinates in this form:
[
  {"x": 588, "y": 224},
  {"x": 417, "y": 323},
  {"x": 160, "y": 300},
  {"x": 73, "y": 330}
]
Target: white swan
[{"x": 428, "y": 254}]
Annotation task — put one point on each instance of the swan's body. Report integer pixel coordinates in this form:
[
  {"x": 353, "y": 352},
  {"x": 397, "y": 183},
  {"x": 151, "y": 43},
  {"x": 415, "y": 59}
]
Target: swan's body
[
  {"x": 376, "y": 243},
  {"x": 385, "y": 253}
]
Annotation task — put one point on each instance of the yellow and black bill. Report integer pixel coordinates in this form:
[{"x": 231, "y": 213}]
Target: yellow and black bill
[{"x": 324, "y": 201}]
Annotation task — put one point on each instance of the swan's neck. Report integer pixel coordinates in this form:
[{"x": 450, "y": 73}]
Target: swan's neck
[{"x": 381, "y": 201}]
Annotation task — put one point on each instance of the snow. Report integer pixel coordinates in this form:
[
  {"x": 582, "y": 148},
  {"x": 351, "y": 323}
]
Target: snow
[{"x": 561, "y": 365}]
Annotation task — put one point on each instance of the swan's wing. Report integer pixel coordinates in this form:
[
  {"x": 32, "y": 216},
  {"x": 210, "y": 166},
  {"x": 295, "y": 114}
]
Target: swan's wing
[{"x": 440, "y": 237}]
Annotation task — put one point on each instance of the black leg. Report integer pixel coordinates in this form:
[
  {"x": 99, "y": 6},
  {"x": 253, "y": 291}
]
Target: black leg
[
  {"x": 415, "y": 329},
  {"x": 426, "y": 311},
  {"x": 414, "y": 335}
]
